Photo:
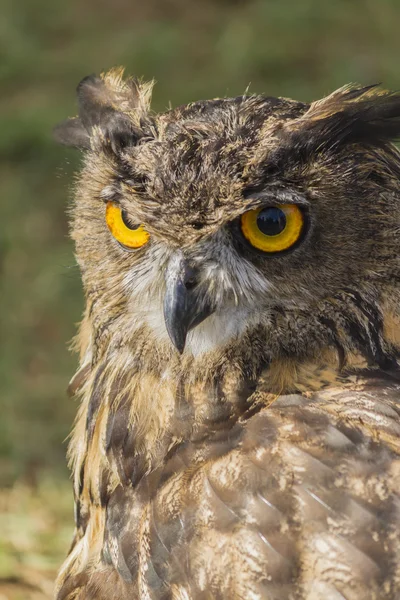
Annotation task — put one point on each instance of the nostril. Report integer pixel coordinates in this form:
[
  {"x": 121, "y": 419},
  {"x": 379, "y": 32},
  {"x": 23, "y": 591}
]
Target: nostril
[
  {"x": 190, "y": 283},
  {"x": 190, "y": 278}
]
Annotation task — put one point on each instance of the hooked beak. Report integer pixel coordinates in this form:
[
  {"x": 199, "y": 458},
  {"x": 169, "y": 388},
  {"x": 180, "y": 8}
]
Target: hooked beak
[{"x": 184, "y": 308}]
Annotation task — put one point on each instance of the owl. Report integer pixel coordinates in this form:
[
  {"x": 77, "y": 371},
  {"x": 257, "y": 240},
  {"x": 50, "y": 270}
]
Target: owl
[{"x": 238, "y": 435}]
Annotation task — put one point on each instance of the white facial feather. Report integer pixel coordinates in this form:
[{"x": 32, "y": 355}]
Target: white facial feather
[
  {"x": 233, "y": 283},
  {"x": 217, "y": 330}
]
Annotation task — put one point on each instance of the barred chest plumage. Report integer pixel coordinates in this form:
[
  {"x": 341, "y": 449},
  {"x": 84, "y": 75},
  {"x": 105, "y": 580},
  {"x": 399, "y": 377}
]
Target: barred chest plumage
[{"x": 258, "y": 496}]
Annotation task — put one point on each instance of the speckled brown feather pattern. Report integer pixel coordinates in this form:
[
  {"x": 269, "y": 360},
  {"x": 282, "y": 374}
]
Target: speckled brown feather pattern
[{"x": 263, "y": 462}]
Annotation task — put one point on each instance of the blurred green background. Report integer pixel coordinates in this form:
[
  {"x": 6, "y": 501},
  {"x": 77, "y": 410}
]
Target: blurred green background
[{"x": 194, "y": 49}]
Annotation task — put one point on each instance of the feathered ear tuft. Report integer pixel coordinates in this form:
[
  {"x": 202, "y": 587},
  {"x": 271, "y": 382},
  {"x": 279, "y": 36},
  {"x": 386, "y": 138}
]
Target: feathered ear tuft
[
  {"x": 349, "y": 115},
  {"x": 71, "y": 132},
  {"x": 109, "y": 107}
]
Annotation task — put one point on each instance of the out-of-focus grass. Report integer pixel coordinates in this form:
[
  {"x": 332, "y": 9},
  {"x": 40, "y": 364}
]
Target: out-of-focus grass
[
  {"x": 194, "y": 49},
  {"x": 36, "y": 530}
]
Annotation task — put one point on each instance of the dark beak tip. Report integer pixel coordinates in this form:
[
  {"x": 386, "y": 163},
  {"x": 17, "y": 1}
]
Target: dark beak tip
[
  {"x": 178, "y": 338},
  {"x": 183, "y": 308},
  {"x": 176, "y": 331},
  {"x": 180, "y": 349}
]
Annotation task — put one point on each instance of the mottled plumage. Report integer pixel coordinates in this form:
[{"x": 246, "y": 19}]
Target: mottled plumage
[{"x": 262, "y": 460}]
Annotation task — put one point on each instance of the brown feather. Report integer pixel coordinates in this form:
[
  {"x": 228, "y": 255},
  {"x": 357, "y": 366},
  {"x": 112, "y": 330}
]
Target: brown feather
[{"x": 263, "y": 461}]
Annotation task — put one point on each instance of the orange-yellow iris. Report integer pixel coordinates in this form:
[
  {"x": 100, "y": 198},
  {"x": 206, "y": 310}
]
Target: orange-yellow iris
[
  {"x": 125, "y": 235},
  {"x": 273, "y": 228}
]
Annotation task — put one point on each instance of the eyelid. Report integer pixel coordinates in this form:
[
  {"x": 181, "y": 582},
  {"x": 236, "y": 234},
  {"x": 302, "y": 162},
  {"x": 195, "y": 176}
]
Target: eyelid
[
  {"x": 127, "y": 209},
  {"x": 275, "y": 197}
]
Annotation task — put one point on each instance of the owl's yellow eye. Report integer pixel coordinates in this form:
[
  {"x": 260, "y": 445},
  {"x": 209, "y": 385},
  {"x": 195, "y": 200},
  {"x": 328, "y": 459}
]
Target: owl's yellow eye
[
  {"x": 126, "y": 233},
  {"x": 273, "y": 228}
]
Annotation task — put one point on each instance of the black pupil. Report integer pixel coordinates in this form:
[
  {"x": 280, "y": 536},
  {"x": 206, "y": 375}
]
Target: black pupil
[
  {"x": 127, "y": 221},
  {"x": 271, "y": 220}
]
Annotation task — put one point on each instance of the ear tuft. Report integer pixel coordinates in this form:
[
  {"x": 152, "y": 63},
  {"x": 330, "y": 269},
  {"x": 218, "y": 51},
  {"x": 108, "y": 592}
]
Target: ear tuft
[
  {"x": 350, "y": 115},
  {"x": 71, "y": 132},
  {"x": 118, "y": 132},
  {"x": 111, "y": 108}
]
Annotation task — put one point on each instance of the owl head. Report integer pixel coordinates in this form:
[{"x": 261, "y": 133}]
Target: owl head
[{"x": 252, "y": 227}]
